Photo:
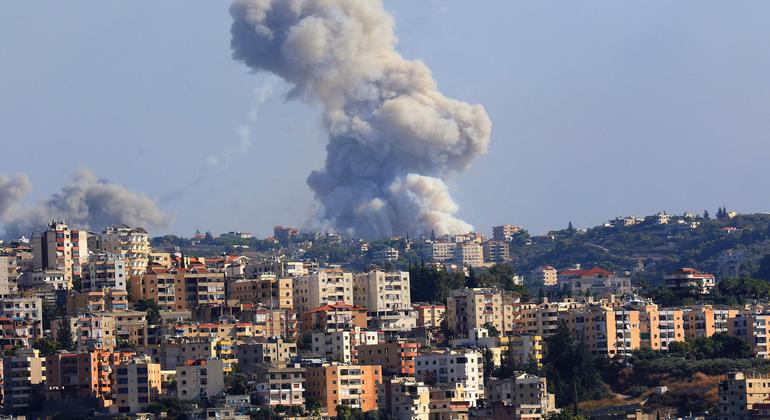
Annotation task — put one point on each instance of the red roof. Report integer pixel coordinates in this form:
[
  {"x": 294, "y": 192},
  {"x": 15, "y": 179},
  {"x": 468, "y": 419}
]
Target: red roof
[
  {"x": 336, "y": 306},
  {"x": 593, "y": 272}
]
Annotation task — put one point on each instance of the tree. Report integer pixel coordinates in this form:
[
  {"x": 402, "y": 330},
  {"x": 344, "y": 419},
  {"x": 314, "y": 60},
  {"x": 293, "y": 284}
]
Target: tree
[
  {"x": 47, "y": 346},
  {"x": 152, "y": 309},
  {"x": 706, "y": 215},
  {"x": 64, "y": 335},
  {"x": 763, "y": 272},
  {"x": 489, "y": 362},
  {"x": 472, "y": 282}
]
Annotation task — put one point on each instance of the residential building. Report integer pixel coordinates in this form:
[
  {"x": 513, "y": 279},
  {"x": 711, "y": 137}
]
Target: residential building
[
  {"x": 179, "y": 288},
  {"x": 386, "y": 255},
  {"x": 504, "y": 232},
  {"x": 8, "y": 275},
  {"x": 753, "y": 328},
  {"x": 60, "y": 248},
  {"x": 334, "y": 317},
  {"x": 450, "y": 401},
  {"x": 543, "y": 318},
  {"x": 690, "y": 279},
  {"x": 279, "y": 385},
  {"x": 605, "y": 330},
  {"x": 404, "y": 399},
  {"x": 496, "y": 251},
  {"x": 200, "y": 379},
  {"x": 131, "y": 244},
  {"x": 323, "y": 286},
  {"x": 29, "y": 309},
  {"x": 395, "y": 356},
  {"x": 104, "y": 271},
  {"x": 466, "y": 367},
  {"x": 23, "y": 380},
  {"x": 523, "y": 391},
  {"x": 740, "y": 393},
  {"x": 274, "y": 351},
  {"x": 337, "y": 384},
  {"x": 82, "y": 375},
  {"x": 386, "y": 296},
  {"x": 442, "y": 251},
  {"x": 545, "y": 275},
  {"x": 48, "y": 280},
  {"x": 469, "y": 309},
  {"x": 102, "y": 300},
  {"x": 342, "y": 346},
  {"x": 268, "y": 290},
  {"x": 90, "y": 331},
  {"x": 594, "y": 281},
  {"x": 429, "y": 315},
  {"x": 137, "y": 383},
  {"x": 469, "y": 254}
]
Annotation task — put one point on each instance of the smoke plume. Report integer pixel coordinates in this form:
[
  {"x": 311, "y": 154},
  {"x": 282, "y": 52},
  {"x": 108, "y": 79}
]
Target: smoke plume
[
  {"x": 86, "y": 202},
  {"x": 394, "y": 137}
]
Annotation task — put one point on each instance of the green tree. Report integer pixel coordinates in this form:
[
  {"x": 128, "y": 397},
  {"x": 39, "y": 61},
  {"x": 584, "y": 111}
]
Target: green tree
[
  {"x": 489, "y": 362},
  {"x": 64, "y": 335},
  {"x": 152, "y": 309}
]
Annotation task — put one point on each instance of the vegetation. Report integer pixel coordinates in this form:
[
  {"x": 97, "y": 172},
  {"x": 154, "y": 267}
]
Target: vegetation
[
  {"x": 175, "y": 408},
  {"x": 152, "y": 309},
  {"x": 718, "y": 346}
]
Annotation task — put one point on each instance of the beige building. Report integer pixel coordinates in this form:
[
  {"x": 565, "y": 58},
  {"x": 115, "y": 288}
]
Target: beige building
[
  {"x": 740, "y": 392},
  {"x": 545, "y": 275},
  {"x": 104, "y": 271},
  {"x": 496, "y": 251},
  {"x": 23, "y": 380},
  {"x": 523, "y": 391},
  {"x": 386, "y": 296},
  {"x": 504, "y": 232},
  {"x": 342, "y": 346},
  {"x": 330, "y": 285},
  {"x": 132, "y": 244},
  {"x": 594, "y": 281},
  {"x": 179, "y": 289},
  {"x": 543, "y": 318},
  {"x": 469, "y": 309},
  {"x": 24, "y": 308},
  {"x": 428, "y": 315},
  {"x": 276, "y": 351},
  {"x": 279, "y": 385},
  {"x": 754, "y": 329},
  {"x": 137, "y": 384},
  {"x": 267, "y": 290},
  {"x": 200, "y": 379},
  {"x": 469, "y": 254},
  {"x": 60, "y": 248},
  {"x": 690, "y": 279},
  {"x": 441, "y": 251},
  {"x": 8, "y": 275},
  {"x": 404, "y": 399}
]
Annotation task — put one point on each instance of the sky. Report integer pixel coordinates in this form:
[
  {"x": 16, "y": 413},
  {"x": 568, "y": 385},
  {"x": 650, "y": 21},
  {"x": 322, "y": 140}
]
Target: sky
[{"x": 599, "y": 108}]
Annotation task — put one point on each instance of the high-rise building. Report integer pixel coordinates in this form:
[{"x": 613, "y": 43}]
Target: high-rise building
[
  {"x": 8, "y": 275},
  {"x": 504, "y": 232},
  {"x": 335, "y": 384},
  {"x": 131, "y": 244},
  {"x": 104, "y": 271},
  {"x": 323, "y": 286},
  {"x": 496, "y": 251},
  {"x": 469, "y": 254},
  {"x": 386, "y": 296},
  {"x": 469, "y": 309},
  {"x": 23, "y": 380},
  {"x": 466, "y": 367},
  {"x": 60, "y": 248},
  {"x": 137, "y": 384},
  {"x": 179, "y": 288}
]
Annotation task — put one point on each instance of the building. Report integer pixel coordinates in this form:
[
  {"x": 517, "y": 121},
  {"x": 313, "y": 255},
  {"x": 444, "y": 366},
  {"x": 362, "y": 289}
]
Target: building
[
  {"x": 386, "y": 295},
  {"x": 496, "y": 251},
  {"x": 543, "y": 318},
  {"x": 451, "y": 366},
  {"x": 200, "y": 379},
  {"x": 594, "y": 281},
  {"x": 740, "y": 392},
  {"x": 131, "y": 244},
  {"x": 545, "y": 275},
  {"x": 85, "y": 375},
  {"x": 404, "y": 399},
  {"x": 268, "y": 290},
  {"x": 104, "y": 271},
  {"x": 606, "y": 331},
  {"x": 429, "y": 315},
  {"x": 334, "y": 317},
  {"x": 179, "y": 289},
  {"x": 337, "y": 384},
  {"x": 60, "y": 248},
  {"x": 275, "y": 351},
  {"x": 342, "y": 346},
  {"x": 449, "y": 402},
  {"x": 90, "y": 331},
  {"x": 690, "y": 279},
  {"x": 23, "y": 380},
  {"x": 469, "y": 254},
  {"x": 752, "y": 328},
  {"x": 279, "y": 385},
  {"x": 442, "y": 251},
  {"x": 386, "y": 255},
  {"x": 395, "y": 356},
  {"x": 101, "y": 300},
  {"x": 523, "y": 391},
  {"x": 49, "y": 280},
  {"x": 285, "y": 234},
  {"x": 504, "y": 232},
  {"x": 324, "y": 286},
  {"x": 29, "y": 309},
  {"x": 469, "y": 309},
  {"x": 8, "y": 275},
  {"x": 137, "y": 384}
]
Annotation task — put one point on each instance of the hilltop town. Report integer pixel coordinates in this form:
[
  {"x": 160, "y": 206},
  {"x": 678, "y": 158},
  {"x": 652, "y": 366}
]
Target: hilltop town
[{"x": 664, "y": 316}]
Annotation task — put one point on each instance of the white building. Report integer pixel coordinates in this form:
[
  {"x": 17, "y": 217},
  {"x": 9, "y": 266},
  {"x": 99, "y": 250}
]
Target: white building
[
  {"x": 465, "y": 367},
  {"x": 386, "y": 297},
  {"x": 104, "y": 270},
  {"x": 441, "y": 251},
  {"x": 200, "y": 379},
  {"x": 469, "y": 254},
  {"x": 324, "y": 286},
  {"x": 341, "y": 345},
  {"x": 132, "y": 244}
]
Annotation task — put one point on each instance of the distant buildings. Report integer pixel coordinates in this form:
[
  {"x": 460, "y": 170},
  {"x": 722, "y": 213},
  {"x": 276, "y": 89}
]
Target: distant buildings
[
  {"x": 504, "y": 232},
  {"x": 594, "y": 281},
  {"x": 335, "y": 384},
  {"x": 60, "y": 248},
  {"x": 545, "y": 275},
  {"x": 471, "y": 309},
  {"x": 690, "y": 279},
  {"x": 131, "y": 244},
  {"x": 323, "y": 286}
]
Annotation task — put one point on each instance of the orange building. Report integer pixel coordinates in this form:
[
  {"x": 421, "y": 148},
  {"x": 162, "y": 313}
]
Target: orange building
[
  {"x": 179, "y": 288},
  {"x": 395, "y": 357},
  {"x": 429, "y": 316},
  {"x": 336, "y": 384},
  {"x": 82, "y": 375},
  {"x": 338, "y": 316}
]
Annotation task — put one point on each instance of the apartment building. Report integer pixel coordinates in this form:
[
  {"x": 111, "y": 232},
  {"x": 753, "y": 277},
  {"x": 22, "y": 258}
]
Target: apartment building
[
  {"x": 690, "y": 279},
  {"x": 442, "y": 251},
  {"x": 23, "y": 380},
  {"x": 60, "y": 248},
  {"x": 131, "y": 328},
  {"x": 279, "y": 385},
  {"x": 268, "y": 290},
  {"x": 102, "y": 300},
  {"x": 671, "y": 326},
  {"x": 137, "y": 384},
  {"x": 275, "y": 351},
  {"x": 705, "y": 321},
  {"x": 342, "y": 346},
  {"x": 524, "y": 348},
  {"x": 469, "y": 254},
  {"x": 334, "y": 317},
  {"x": 325, "y": 286},
  {"x": 337, "y": 384},
  {"x": 404, "y": 399},
  {"x": 504, "y": 232},
  {"x": 200, "y": 379},
  {"x": 131, "y": 244},
  {"x": 386, "y": 295},
  {"x": 496, "y": 251},
  {"x": 470, "y": 309},
  {"x": 429, "y": 315},
  {"x": 594, "y": 281},
  {"x": 395, "y": 356},
  {"x": 523, "y": 391},
  {"x": 42, "y": 281},
  {"x": 90, "y": 331},
  {"x": 174, "y": 351},
  {"x": 8, "y": 275},
  {"x": 740, "y": 393},
  {"x": 545, "y": 275},
  {"x": 543, "y": 318},
  {"x": 82, "y": 375},
  {"x": 466, "y": 367},
  {"x": 752, "y": 328},
  {"x": 104, "y": 271},
  {"x": 605, "y": 330},
  {"x": 29, "y": 309},
  {"x": 179, "y": 289}
]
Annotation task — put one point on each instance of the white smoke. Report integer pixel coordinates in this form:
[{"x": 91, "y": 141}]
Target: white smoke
[
  {"x": 394, "y": 138},
  {"x": 86, "y": 202}
]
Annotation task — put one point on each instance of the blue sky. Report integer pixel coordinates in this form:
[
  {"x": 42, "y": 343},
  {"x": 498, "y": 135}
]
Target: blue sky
[{"x": 599, "y": 108}]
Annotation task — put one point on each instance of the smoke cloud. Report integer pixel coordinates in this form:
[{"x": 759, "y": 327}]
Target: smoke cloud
[
  {"x": 394, "y": 137},
  {"x": 87, "y": 202}
]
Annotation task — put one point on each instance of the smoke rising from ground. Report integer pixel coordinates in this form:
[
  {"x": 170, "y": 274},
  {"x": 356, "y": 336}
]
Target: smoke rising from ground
[
  {"x": 394, "y": 138},
  {"x": 86, "y": 202}
]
